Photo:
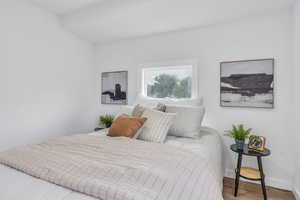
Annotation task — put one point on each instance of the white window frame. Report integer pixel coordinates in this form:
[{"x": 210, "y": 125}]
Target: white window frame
[{"x": 169, "y": 65}]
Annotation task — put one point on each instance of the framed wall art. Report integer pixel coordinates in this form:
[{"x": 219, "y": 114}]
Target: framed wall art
[
  {"x": 257, "y": 143},
  {"x": 247, "y": 83},
  {"x": 114, "y": 87}
]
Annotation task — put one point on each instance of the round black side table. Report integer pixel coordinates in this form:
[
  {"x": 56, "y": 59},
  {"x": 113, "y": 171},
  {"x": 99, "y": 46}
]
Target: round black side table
[{"x": 250, "y": 173}]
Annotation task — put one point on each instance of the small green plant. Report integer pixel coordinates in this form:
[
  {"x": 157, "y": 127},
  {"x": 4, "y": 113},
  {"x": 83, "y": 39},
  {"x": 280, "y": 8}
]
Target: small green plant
[
  {"x": 106, "y": 120},
  {"x": 239, "y": 132}
]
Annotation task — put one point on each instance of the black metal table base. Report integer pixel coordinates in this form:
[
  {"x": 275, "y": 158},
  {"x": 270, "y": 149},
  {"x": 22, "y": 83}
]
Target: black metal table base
[{"x": 237, "y": 175}]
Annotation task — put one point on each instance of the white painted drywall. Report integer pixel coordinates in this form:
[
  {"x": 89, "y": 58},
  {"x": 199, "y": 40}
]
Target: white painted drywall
[
  {"x": 46, "y": 77},
  {"x": 296, "y": 97},
  {"x": 253, "y": 38}
]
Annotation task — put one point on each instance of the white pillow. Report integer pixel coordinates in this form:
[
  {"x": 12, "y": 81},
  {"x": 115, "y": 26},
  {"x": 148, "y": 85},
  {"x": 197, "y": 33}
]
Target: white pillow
[
  {"x": 188, "y": 120},
  {"x": 156, "y": 127},
  {"x": 152, "y": 102}
]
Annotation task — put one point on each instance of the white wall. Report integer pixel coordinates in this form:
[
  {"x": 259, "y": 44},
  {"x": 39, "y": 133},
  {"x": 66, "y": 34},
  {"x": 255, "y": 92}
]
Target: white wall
[
  {"x": 260, "y": 37},
  {"x": 46, "y": 77},
  {"x": 296, "y": 97}
]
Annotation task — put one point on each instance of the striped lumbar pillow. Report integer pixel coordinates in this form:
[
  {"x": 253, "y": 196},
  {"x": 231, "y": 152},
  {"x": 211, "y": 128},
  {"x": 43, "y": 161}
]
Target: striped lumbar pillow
[{"x": 157, "y": 125}]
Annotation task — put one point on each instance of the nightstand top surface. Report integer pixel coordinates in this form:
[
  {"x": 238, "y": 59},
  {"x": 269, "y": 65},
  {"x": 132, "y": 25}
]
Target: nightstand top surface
[{"x": 248, "y": 152}]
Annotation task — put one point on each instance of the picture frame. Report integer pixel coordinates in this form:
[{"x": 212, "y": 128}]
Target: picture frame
[
  {"x": 114, "y": 88},
  {"x": 247, "y": 83},
  {"x": 257, "y": 143}
]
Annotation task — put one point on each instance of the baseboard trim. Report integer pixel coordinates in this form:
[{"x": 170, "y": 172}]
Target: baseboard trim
[
  {"x": 296, "y": 194},
  {"x": 273, "y": 182}
]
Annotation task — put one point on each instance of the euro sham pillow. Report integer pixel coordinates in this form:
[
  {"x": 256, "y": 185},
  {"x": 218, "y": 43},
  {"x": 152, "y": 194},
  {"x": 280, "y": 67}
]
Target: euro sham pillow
[
  {"x": 126, "y": 126},
  {"x": 188, "y": 120},
  {"x": 157, "y": 125}
]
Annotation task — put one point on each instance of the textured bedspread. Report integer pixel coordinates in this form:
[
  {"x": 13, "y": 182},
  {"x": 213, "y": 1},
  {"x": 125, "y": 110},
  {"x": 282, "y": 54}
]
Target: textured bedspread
[{"x": 117, "y": 168}]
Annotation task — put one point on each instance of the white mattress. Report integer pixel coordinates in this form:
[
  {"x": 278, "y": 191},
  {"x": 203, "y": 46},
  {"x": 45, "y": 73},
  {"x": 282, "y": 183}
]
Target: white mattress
[{"x": 25, "y": 187}]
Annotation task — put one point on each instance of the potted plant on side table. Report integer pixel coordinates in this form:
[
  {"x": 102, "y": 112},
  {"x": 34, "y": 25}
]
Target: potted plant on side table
[
  {"x": 239, "y": 134},
  {"x": 106, "y": 120}
]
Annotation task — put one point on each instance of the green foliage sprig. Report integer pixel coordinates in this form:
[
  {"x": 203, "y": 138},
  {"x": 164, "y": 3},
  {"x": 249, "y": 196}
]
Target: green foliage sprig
[
  {"x": 106, "y": 119},
  {"x": 171, "y": 86},
  {"x": 239, "y": 132}
]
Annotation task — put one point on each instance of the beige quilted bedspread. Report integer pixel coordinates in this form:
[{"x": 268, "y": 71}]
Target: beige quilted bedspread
[{"x": 117, "y": 168}]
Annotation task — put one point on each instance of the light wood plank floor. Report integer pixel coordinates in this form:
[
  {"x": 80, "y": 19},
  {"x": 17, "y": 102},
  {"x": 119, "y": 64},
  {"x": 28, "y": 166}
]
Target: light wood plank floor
[{"x": 252, "y": 191}]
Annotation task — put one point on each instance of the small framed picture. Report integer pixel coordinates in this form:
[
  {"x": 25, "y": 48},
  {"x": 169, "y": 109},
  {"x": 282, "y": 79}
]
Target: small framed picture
[
  {"x": 257, "y": 143},
  {"x": 114, "y": 87}
]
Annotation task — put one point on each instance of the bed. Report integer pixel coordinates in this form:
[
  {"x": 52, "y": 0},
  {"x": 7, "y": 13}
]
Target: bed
[{"x": 16, "y": 185}]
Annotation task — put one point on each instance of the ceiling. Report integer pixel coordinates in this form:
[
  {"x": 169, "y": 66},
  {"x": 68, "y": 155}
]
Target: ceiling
[{"x": 103, "y": 21}]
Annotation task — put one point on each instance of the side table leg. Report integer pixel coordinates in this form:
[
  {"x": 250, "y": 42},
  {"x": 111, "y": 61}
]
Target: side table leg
[
  {"x": 263, "y": 186},
  {"x": 237, "y": 174}
]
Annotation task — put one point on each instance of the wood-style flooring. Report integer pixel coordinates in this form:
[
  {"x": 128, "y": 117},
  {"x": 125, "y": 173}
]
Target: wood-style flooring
[{"x": 252, "y": 191}]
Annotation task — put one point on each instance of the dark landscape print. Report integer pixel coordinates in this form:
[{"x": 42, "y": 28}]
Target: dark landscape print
[
  {"x": 247, "y": 83},
  {"x": 114, "y": 87}
]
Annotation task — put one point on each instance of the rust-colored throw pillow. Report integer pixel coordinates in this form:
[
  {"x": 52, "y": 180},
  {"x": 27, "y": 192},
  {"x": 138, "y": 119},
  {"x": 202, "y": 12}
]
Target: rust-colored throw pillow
[{"x": 126, "y": 126}]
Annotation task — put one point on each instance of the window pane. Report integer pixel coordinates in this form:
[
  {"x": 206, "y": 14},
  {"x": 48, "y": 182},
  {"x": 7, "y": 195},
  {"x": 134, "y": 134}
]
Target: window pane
[{"x": 168, "y": 82}]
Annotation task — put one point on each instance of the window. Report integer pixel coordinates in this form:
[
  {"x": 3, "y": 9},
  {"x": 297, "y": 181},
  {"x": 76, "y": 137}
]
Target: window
[{"x": 176, "y": 82}]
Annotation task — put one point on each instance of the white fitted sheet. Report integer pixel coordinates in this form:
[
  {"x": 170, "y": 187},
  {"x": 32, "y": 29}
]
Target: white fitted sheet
[{"x": 16, "y": 185}]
